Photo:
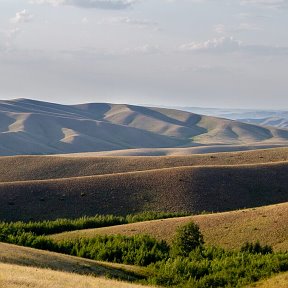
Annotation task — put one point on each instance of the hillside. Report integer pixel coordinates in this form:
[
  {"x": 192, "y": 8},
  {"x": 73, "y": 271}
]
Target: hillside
[
  {"x": 269, "y": 121},
  {"x": 14, "y": 276},
  {"x": 52, "y": 167},
  {"x": 191, "y": 189},
  {"x": 274, "y": 118},
  {"x": 34, "y": 127},
  {"x": 229, "y": 230},
  {"x": 23, "y": 256},
  {"x": 278, "y": 281}
]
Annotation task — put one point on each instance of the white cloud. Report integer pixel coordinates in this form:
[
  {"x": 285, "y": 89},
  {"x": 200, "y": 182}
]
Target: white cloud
[
  {"x": 230, "y": 45},
  {"x": 145, "y": 49},
  {"x": 140, "y": 23},
  {"x": 99, "y": 4},
  {"x": 84, "y": 20},
  {"x": 266, "y": 3},
  {"x": 223, "y": 44},
  {"x": 223, "y": 29},
  {"x": 21, "y": 17}
]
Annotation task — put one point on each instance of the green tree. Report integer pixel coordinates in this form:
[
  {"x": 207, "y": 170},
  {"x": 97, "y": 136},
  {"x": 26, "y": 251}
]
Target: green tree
[{"x": 187, "y": 239}]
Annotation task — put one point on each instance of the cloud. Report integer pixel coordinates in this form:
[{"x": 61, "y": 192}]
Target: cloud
[
  {"x": 98, "y": 4},
  {"x": 223, "y": 44},
  {"x": 223, "y": 29},
  {"x": 21, "y": 17},
  {"x": 144, "y": 49},
  {"x": 266, "y": 3},
  {"x": 231, "y": 45},
  {"x": 140, "y": 23}
]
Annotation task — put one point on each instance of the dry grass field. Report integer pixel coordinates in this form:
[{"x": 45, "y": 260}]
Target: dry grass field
[
  {"x": 229, "y": 230},
  {"x": 23, "y": 256},
  {"x": 278, "y": 281},
  {"x": 13, "y": 276}
]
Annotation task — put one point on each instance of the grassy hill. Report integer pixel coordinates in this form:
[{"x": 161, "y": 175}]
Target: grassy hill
[
  {"x": 23, "y": 256},
  {"x": 14, "y": 276},
  {"x": 191, "y": 189},
  {"x": 50, "y": 187},
  {"x": 35, "y": 127},
  {"x": 229, "y": 230},
  {"x": 52, "y": 167}
]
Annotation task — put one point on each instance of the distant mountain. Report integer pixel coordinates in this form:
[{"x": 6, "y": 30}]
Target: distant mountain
[
  {"x": 269, "y": 121},
  {"x": 35, "y": 127},
  {"x": 274, "y": 118}
]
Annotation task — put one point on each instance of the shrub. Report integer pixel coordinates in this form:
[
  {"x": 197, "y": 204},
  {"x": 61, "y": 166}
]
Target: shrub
[
  {"x": 187, "y": 239},
  {"x": 256, "y": 248}
]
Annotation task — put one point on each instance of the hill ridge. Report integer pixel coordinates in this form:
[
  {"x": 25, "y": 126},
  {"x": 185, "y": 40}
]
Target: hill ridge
[{"x": 50, "y": 128}]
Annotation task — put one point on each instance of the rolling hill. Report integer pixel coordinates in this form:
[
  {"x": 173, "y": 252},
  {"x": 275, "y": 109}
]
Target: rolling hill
[
  {"x": 14, "y": 276},
  {"x": 50, "y": 187},
  {"x": 34, "y": 127},
  {"x": 26, "y": 168},
  {"x": 27, "y": 266},
  {"x": 191, "y": 189},
  {"x": 274, "y": 118},
  {"x": 230, "y": 230},
  {"x": 269, "y": 121}
]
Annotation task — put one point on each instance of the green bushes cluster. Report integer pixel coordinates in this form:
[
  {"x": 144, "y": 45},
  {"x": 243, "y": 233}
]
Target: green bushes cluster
[
  {"x": 256, "y": 248},
  {"x": 136, "y": 250},
  {"x": 97, "y": 221},
  {"x": 215, "y": 267}
]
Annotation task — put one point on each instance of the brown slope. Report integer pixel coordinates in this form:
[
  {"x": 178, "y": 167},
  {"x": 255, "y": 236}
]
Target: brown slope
[
  {"x": 193, "y": 189},
  {"x": 21, "y": 168},
  {"x": 268, "y": 224}
]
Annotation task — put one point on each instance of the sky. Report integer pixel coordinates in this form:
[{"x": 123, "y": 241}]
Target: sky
[{"x": 200, "y": 53}]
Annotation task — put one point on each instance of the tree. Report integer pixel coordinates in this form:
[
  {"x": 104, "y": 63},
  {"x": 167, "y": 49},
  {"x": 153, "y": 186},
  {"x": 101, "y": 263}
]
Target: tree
[{"x": 188, "y": 238}]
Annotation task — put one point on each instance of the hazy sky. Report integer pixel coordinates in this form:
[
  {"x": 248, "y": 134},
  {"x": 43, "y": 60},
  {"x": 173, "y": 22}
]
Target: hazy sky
[{"x": 209, "y": 53}]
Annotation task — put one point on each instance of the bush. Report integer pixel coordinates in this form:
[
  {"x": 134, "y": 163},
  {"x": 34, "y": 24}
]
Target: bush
[
  {"x": 64, "y": 225},
  {"x": 256, "y": 248},
  {"x": 187, "y": 239}
]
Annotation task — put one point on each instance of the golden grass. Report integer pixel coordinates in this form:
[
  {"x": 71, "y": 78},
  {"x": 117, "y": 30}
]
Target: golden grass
[
  {"x": 229, "y": 230},
  {"x": 278, "y": 281},
  {"x": 17, "y": 255},
  {"x": 13, "y": 276}
]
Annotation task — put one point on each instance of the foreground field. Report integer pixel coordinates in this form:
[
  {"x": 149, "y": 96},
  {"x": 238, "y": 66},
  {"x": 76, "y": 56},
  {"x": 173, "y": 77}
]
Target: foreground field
[
  {"x": 17, "y": 255},
  {"x": 229, "y": 230},
  {"x": 14, "y": 276}
]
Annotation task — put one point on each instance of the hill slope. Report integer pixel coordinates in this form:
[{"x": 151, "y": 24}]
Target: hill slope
[
  {"x": 14, "y": 276},
  {"x": 34, "y": 127},
  {"x": 230, "y": 230},
  {"x": 278, "y": 281},
  {"x": 192, "y": 189},
  {"x": 52, "y": 167},
  {"x": 17, "y": 255}
]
